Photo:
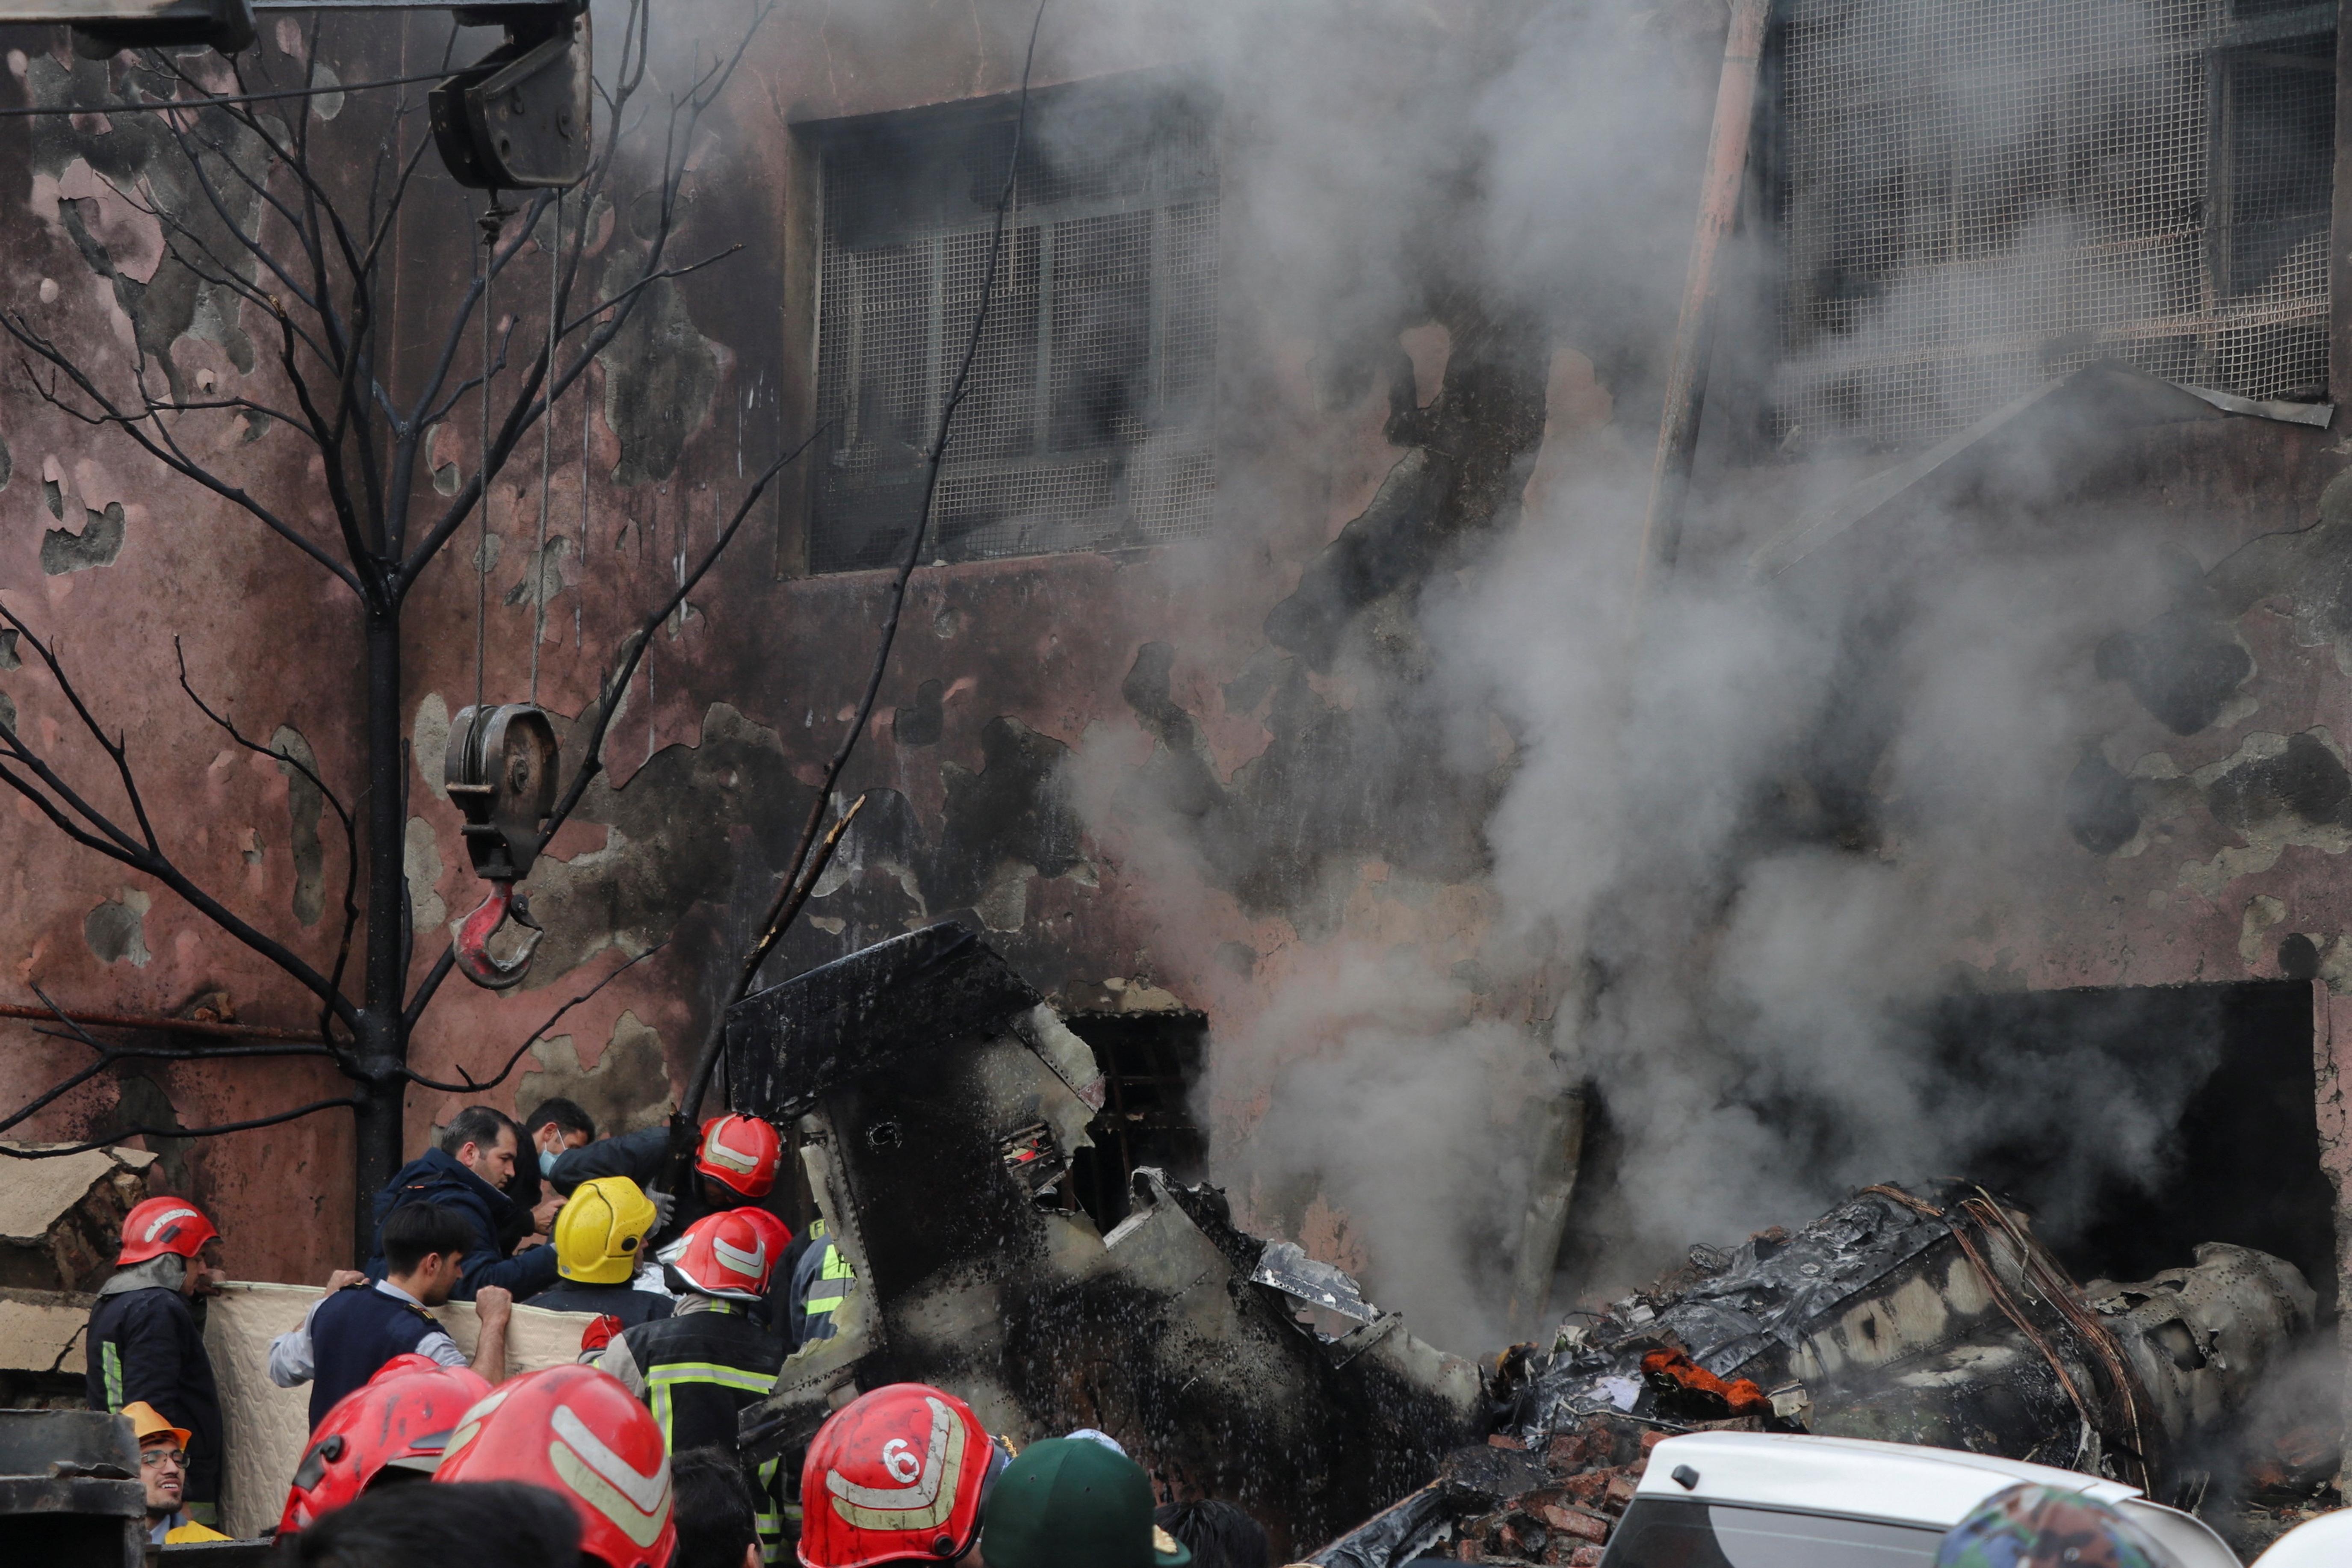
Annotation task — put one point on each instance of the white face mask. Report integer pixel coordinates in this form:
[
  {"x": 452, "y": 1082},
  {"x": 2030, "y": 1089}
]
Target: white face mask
[{"x": 546, "y": 1163}]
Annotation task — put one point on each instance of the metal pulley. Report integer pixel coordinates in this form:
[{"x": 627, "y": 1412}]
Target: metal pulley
[
  {"x": 518, "y": 117},
  {"x": 502, "y": 771}
]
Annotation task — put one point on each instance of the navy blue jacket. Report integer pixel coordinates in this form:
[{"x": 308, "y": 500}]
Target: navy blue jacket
[
  {"x": 352, "y": 1334},
  {"x": 434, "y": 1177},
  {"x": 145, "y": 1344}
]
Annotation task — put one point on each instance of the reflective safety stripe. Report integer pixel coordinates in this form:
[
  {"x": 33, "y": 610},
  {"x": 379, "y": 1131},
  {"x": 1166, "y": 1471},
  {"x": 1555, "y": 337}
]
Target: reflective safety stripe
[
  {"x": 113, "y": 1358},
  {"x": 661, "y": 1379},
  {"x": 835, "y": 1266},
  {"x": 820, "y": 1304},
  {"x": 769, "y": 1522}
]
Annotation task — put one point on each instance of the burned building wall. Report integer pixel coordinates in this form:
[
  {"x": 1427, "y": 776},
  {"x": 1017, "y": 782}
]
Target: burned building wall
[{"x": 1342, "y": 771}]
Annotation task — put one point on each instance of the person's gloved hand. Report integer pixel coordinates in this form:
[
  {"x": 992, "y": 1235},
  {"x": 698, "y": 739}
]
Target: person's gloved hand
[{"x": 664, "y": 1205}]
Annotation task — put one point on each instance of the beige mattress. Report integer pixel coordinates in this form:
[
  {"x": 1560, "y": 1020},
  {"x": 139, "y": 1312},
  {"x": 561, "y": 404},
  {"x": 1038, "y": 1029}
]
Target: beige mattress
[{"x": 267, "y": 1425}]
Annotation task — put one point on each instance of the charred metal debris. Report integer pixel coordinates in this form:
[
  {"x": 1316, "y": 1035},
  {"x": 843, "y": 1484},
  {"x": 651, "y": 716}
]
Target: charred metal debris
[{"x": 939, "y": 1102}]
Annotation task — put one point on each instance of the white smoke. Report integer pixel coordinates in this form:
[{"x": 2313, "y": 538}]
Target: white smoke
[{"x": 1674, "y": 911}]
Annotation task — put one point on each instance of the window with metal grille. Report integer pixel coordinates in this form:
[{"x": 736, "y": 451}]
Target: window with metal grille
[
  {"x": 1087, "y": 423},
  {"x": 1980, "y": 195}
]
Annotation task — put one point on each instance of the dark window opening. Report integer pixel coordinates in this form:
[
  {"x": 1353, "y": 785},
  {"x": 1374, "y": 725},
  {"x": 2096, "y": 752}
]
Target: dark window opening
[
  {"x": 2239, "y": 1164},
  {"x": 1977, "y": 197},
  {"x": 1085, "y": 422},
  {"x": 1151, "y": 1062}
]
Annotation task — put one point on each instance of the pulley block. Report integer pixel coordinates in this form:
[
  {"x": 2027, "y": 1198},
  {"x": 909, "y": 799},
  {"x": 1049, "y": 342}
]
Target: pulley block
[
  {"x": 518, "y": 119},
  {"x": 501, "y": 770}
]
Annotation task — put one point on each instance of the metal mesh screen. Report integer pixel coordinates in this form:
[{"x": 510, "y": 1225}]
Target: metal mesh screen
[
  {"x": 1981, "y": 194},
  {"x": 1087, "y": 422}
]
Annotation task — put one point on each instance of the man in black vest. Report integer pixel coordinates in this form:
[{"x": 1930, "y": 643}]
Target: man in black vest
[
  {"x": 697, "y": 1369},
  {"x": 349, "y": 1334}
]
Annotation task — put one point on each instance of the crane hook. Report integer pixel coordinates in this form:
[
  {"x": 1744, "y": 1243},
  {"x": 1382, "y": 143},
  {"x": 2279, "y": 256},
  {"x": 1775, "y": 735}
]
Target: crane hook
[{"x": 472, "y": 948}]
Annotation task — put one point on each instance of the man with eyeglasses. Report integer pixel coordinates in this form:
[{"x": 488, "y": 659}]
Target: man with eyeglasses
[{"x": 163, "y": 1468}]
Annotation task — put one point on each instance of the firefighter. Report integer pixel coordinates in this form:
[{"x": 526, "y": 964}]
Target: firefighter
[
  {"x": 697, "y": 1368},
  {"x": 144, "y": 1343},
  {"x": 821, "y": 1281},
  {"x": 735, "y": 1165},
  {"x": 164, "y": 1471},
  {"x": 898, "y": 1475},
  {"x": 574, "y": 1431},
  {"x": 700, "y": 1368},
  {"x": 600, "y": 1237},
  {"x": 391, "y": 1429}
]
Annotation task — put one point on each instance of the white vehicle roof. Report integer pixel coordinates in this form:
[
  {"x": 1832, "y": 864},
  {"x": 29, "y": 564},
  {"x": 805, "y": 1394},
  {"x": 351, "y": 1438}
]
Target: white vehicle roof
[
  {"x": 2321, "y": 1542},
  {"x": 1931, "y": 1487}
]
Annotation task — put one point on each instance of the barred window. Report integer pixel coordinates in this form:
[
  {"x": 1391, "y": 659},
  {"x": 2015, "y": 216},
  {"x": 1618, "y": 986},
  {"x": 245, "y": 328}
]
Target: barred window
[
  {"x": 1088, "y": 425},
  {"x": 1980, "y": 195}
]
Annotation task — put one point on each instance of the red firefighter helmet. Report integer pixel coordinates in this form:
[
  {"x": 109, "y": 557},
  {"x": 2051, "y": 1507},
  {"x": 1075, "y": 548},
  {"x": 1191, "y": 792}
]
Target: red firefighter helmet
[
  {"x": 774, "y": 1231},
  {"x": 400, "y": 1418},
  {"x": 578, "y": 1433},
  {"x": 160, "y": 1226},
  {"x": 739, "y": 1152},
  {"x": 896, "y": 1473},
  {"x": 727, "y": 1253}
]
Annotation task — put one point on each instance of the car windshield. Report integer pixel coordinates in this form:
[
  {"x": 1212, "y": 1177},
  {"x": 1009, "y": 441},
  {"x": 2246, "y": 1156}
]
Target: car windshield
[{"x": 1662, "y": 1533}]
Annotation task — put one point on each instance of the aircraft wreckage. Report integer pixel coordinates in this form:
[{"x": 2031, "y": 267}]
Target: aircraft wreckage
[{"x": 939, "y": 1102}]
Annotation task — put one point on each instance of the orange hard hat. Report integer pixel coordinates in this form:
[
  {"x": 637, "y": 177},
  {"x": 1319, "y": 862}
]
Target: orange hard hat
[
  {"x": 400, "y": 1418},
  {"x": 146, "y": 1422},
  {"x": 741, "y": 1153},
  {"x": 896, "y": 1473},
  {"x": 583, "y": 1436},
  {"x": 728, "y": 1255},
  {"x": 160, "y": 1226}
]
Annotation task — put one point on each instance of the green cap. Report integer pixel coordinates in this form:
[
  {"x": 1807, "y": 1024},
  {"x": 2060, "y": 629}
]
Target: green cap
[{"x": 1072, "y": 1503}]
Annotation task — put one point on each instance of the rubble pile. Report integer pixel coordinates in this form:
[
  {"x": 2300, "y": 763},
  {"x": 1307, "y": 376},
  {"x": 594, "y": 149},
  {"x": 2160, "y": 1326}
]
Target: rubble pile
[{"x": 1553, "y": 1507}]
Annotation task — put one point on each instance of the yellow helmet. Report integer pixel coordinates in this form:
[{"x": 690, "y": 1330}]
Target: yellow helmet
[{"x": 600, "y": 1229}]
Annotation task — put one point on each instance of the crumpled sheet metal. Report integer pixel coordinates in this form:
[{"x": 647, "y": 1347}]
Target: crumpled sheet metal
[
  {"x": 1760, "y": 1315},
  {"x": 1772, "y": 1294},
  {"x": 1285, "y": 1265}
]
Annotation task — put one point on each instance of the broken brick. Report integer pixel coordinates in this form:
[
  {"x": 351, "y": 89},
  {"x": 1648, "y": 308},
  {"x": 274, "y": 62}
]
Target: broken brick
[
  {"x": 1588, "y": 1487},
  {"x": 1505, "y": 1440},
  {"x": 1652, "y": 1438},
  {"x": 1577, "y": 1522},
  {"x": 1586, "y": 1557},
  {"x": 1621, "y": 1489}
]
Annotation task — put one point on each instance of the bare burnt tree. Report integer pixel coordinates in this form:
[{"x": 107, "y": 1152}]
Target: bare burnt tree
[{"x": 293, "y": 219}]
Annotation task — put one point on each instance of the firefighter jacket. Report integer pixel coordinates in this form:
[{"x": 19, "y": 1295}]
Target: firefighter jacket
[
  {"x": 696, "y": 1370},
  {"x": 821, "y": 1280},
  {"x": 144, "y": 1343}
]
